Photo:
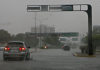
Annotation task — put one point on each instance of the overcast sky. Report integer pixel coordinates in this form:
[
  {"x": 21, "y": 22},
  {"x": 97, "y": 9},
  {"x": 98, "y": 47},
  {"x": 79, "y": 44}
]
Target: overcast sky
[{"x": 15, "y": 19}]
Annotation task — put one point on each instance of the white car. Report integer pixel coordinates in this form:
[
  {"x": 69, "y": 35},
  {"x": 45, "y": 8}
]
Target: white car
[{"x": 16, "y": 49}]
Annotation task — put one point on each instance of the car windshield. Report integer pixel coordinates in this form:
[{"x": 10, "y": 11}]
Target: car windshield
[
  {"x": 12, "y": 44},
  {"x": 49, "y": 34}
]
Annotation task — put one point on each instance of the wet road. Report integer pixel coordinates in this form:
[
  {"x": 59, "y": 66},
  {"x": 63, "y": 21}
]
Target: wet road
[{"x": 52, "y": 59}]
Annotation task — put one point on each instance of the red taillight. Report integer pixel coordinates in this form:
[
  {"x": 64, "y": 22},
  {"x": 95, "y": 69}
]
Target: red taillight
[
  {"x": 21, "y": 48},
  {"x": 62, "y": 47},
  {"x": 6, "y": 48}
]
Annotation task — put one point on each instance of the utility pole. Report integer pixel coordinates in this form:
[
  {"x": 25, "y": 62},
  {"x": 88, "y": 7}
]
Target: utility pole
[
  {"x": 24, "y": 36},
  {"x": 35, "y": 32},
  {"x": 40, "y": 28},
  {"x": 40, "y": 34}
]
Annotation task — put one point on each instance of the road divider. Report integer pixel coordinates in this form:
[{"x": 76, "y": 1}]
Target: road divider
[{"x": 77, "y": 54}]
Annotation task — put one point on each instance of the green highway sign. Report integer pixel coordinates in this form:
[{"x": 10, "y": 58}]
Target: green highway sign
[
  {"x": 41, "y": 34},
  {"x": 65, "y": 34},
  {"x": 62, "y": 39},
  {"x": 67, "y": 7},
  {"x": 74, "y": 39},
  {"x": 70, "y": 34}
]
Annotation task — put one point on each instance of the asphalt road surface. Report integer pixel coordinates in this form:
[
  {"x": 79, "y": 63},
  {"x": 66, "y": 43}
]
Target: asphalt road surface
[{"x": 52, "y": 59}]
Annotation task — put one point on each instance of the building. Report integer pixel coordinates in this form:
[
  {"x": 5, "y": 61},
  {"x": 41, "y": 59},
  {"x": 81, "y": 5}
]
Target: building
[
  {"x": 48, "y": 29},
  {"x": 43, "y": 28},
  {"x": 33, "y": 29},
  {"x": 38, "y": 30},
  {"x": 52, "y": 29}
]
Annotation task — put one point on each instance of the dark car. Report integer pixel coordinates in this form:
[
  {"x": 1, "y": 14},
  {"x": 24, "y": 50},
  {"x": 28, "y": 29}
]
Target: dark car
[
  {"x": 66, "y": 48},
  {"x": 16, "y": 49}
]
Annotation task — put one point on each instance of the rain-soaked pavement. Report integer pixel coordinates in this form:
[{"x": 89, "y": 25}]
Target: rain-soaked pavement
[{"x": 52, "y": 59}]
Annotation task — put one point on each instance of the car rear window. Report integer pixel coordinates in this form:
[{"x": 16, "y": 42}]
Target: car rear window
[
  {"x": 66, "y": 46},
  {"x": 15, "y": 44}
]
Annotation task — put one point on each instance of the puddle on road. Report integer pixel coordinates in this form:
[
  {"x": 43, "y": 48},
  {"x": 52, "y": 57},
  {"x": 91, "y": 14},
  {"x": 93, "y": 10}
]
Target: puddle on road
[
  {"x": 31, "y": 58},
  {"x": 1, "y": 60}
]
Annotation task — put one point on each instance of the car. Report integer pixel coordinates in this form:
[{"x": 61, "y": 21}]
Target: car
[
  {"x": 66, "y": 48},
  {"x": 16, "y": 49}
]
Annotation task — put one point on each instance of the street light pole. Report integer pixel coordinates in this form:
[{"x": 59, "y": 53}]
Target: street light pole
[
  {"x": 40, "y": 34},
  {"x": 40, "y": 28},
  {"x": 24, "y": 36},
  {"x": 80, "y": 38},
  {"x": 35, "y": 31}
]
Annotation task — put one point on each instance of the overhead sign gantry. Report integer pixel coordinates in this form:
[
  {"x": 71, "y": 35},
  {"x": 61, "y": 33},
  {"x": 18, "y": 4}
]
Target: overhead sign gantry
[{"x": 66, "y": 8}]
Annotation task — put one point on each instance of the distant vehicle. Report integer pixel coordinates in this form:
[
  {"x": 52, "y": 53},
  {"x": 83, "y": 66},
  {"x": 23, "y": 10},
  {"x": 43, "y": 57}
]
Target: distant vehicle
[
  {"x": 45, "y": 47},
  {"x": 16, "y": 49},
  {"x": 66, "y": 48}
]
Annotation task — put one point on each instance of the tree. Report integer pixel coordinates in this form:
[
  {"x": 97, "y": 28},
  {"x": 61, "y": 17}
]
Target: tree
[
  {"x": 95, "y": 40},
  {"x": 96, "y": 31},
  {"x": 46, "y": 40},
  {"x": 85, "y": 40},
  {"x": 18, "y": 37},
  {"x": 22, "y": 37},
  {"x": 4, "y": 36},
  {"x": 31, "y": 41},
  {"x": 53, "y": 40},
  {"x": 13, "y": 37}
]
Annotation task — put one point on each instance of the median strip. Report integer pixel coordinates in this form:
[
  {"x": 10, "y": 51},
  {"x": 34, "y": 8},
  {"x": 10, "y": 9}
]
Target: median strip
[{"x": 83, "y": 55}]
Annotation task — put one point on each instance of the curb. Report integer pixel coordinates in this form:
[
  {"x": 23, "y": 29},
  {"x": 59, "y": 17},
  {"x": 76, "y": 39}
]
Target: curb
[
  {"x": 75, "y": 54},
  {"x": 83, "y": 55}
]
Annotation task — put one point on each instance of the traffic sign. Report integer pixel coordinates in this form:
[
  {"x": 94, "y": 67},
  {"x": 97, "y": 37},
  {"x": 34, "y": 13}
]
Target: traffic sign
[
  {"x": 57, "y": 8},
  {"x": 74, "y": 39},
  {"x": 62, "y": 39},
  {"x": 41, "y": 34},
  {"x": 65, "y": 34},
  {"x": 67, "y": 7},
  {"x": 70, "y": 34}
]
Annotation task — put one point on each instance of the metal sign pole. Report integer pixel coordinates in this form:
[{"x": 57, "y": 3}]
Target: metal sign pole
[
  {"x": 35, "y": 32},
  {"x": 89, "y": 12}
]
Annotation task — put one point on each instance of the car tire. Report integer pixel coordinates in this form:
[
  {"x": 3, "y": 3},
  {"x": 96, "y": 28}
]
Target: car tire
[
  {"x": 21, "y": 59},
  {"x": 26, "y": 57},
  {"x": 4, "y": 59}
]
